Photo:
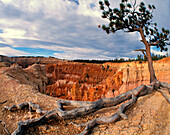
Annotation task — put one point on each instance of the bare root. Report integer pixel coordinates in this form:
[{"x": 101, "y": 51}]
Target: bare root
[
  {"x": 104, "y": 120},
  {"x": 3, "y": 102},
  {"x": 32, "y": 107},
  {"x": 34, "y": 122},
  {"x": 165, "y": 90},
  {"x": 165, "y": 93},
  {"x": 86, "y": 107}
]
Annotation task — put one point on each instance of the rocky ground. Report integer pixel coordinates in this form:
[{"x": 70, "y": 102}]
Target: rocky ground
[{"x": 149, "y": 116}]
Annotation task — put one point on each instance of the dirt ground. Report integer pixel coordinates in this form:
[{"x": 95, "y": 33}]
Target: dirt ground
[{"x": 149, "y": 116}]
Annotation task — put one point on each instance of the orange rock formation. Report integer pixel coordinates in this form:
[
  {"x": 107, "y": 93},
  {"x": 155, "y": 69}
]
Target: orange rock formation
[
  {"x": 87, "y": 82},
  {"x": 77, "y": 81}
]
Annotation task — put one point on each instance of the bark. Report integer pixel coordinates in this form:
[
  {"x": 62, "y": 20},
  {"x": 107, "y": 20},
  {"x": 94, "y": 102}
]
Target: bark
[
  {"x": 3, "y": 102},
  {"x": 29, "y": 104},
  {"x": 84, "y": 108},
  {"x": 148, "y": 53}
]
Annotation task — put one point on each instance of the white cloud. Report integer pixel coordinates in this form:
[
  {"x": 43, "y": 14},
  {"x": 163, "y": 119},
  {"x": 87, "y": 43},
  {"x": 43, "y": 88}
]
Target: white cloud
[
  {"x": 11, "y": 52},
  {"x": 158, "y": 52},
  {"x": 62, "y": 25},
  {"x": 12, "y": 33}
]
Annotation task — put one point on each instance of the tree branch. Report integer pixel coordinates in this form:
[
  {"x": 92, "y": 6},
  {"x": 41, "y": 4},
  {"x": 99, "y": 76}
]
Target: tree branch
[{"x": 143, "y": 51}]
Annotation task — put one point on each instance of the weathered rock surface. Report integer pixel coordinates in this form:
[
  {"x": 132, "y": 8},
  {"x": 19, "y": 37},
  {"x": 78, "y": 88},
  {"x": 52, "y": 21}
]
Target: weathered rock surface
[
  {"x": 88, "y": 82},
  {"x": 34, "y": 75},
  {"x": 29, "y": 60},
  {"x": 76, "y": 81},
  {"x": 150, "y": 115},
  {"x": 135, "y": 74}
]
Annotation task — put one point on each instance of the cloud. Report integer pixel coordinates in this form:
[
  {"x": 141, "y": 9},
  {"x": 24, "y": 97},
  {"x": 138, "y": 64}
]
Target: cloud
[
  {"x": 11, "y": 52},
  {"x": 67, "y": 29},
  {"x": 158, "y": 52},
  {"x": 12, "y": 33}
]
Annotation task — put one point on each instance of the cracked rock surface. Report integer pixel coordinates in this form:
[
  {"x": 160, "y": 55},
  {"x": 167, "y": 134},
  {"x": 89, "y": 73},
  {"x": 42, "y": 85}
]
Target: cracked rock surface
[{"x": 149, "y": 116}]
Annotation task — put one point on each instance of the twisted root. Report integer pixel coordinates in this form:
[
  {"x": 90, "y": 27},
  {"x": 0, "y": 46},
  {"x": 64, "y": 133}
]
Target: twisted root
[{"x": 86, "y": 107}]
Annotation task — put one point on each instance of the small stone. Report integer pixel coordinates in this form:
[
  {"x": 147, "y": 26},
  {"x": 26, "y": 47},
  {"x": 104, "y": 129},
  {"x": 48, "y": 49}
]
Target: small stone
[
  {"x": 38, "y": 111},
  {"x": 145, "y": 127},
  {"x": 10, "y": 117},
  {"x": 2, "y": 71}
]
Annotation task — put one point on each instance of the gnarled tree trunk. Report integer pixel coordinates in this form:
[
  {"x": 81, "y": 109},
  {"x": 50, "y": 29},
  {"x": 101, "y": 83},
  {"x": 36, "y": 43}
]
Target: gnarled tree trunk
[{"x": 148, "y": 54}]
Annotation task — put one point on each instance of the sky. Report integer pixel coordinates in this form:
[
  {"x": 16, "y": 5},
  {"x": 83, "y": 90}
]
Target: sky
[{"x": 68, "y": 29}]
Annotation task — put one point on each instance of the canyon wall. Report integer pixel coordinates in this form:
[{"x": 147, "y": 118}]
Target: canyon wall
[
  {"x": 76, "y": 81},
  {"x": 34, "y": 75},
  {"x": 88, "y": 82},
  {"x": 26, "y": 61},
  {"x": 135, "y": 73}
]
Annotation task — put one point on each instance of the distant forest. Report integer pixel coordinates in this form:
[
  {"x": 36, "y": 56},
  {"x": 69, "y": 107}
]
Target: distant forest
[{"x": 139, "y": 58}]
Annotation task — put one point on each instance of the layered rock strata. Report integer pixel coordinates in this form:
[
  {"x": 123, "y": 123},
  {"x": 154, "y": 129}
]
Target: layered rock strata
[
  {"x": 34, "y": 75},
  {"x": 88, "y": 82},
  {"x": 135, "y": 73},
  {"x": 75, "y": 81}
]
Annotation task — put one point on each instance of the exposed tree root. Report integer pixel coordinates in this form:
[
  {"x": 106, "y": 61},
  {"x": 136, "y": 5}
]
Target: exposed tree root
[
  {"x": 165, "y": 90},
  {"x": 165, "y": 93},
  {"x": 32, "y": 107},
  {"x": 104, "y": 120},
  {"x": 3, "y": 102},
  {"x": 4, "y": 125},
  {"x": 165, "y": 85},
  {"x": 86, "y": 107}
]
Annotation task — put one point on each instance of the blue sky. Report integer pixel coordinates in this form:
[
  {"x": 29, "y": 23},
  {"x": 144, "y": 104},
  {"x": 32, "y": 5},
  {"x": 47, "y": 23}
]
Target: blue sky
[{"x": 67, "y": 29}]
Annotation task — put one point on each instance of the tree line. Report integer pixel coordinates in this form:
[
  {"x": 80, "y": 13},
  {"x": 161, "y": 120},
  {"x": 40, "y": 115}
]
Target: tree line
[{"x": 138, "y": 58}]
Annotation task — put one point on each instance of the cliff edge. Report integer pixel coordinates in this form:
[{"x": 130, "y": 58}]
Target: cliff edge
[{"x": 150, "y": 115}]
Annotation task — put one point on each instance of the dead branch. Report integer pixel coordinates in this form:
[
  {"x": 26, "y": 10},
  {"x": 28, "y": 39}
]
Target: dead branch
[
  {"x": 4, "y": 125},
  {"x": 143, "y": 51},
  {"x": 3, "y": 102},
  {"x": 84, "y": 108},
  {"x": 32, "y": 107}
]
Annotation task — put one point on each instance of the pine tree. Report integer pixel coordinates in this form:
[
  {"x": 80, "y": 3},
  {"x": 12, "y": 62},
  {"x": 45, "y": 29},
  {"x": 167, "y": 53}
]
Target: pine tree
[{"x": 131, "y": 17}]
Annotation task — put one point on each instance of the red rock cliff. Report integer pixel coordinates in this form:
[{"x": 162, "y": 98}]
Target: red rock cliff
[
  {"x": 77, "y": 81},
  {"x": 135, "y": 73}
]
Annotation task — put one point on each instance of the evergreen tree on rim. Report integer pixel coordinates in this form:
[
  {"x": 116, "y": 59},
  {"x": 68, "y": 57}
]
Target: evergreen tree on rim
[{"x": 131, "y": 17}]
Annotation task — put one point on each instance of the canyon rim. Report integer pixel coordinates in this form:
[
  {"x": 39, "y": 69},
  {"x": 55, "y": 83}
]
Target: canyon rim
[{"x": 43, "y": 84}]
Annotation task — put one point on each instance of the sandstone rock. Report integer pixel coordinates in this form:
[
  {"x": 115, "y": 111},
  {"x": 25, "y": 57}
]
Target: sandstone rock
[
  {"x": 137, "y": 74},
  {"x": 34, "y": 75},
  {"x": 77, "y": 81},
  {"x": 85, "y": 82}
]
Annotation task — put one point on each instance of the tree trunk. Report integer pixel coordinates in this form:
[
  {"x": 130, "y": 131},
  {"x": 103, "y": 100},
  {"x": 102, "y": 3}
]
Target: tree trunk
[
  {"x": 150, "y": 64},
  {"x": 148, "y": 53}
]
